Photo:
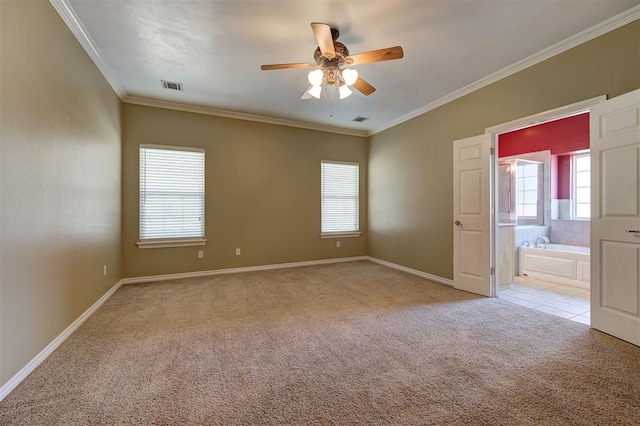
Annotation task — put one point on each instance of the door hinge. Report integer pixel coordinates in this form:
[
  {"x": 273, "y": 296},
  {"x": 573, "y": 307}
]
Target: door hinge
[
  {"x": 492, "y": 151},
  {"x": 492, "y": 271}
]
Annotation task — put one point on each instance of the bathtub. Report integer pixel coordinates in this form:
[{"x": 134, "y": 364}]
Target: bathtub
[{"x": 557, "y": 263}]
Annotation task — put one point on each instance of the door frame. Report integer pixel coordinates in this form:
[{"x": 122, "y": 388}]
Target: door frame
[{"x": 495, "y": 131}]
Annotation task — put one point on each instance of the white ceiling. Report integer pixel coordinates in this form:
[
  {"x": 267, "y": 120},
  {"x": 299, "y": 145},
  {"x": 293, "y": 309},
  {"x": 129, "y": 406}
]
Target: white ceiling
[{"x": 215, "y": 48}]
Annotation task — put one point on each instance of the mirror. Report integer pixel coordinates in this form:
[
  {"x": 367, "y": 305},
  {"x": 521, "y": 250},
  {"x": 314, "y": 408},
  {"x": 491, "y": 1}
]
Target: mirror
[{"x": 523, "y": 185}]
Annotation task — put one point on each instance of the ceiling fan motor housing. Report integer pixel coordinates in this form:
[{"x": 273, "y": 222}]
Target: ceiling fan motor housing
[{"x": 341, "y": 53}]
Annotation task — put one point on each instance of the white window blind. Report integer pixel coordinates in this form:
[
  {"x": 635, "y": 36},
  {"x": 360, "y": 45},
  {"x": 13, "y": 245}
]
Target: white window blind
[
  {"x": 340, "y": 197},
  {"x": 171, "y": 193}
]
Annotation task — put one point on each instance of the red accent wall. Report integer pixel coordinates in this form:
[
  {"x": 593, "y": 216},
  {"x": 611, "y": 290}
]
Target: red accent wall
[
  {"x": 563, "y": 177},
  {"x": 559, "y": 136}
]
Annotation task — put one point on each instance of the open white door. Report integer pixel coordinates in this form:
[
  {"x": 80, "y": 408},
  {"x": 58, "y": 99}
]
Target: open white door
[
  {"x": 615, "y": 221},
  {"x": 472, "y": 214}
]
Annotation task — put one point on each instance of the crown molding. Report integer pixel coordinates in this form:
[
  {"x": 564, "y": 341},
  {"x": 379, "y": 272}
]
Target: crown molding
[
  {"x": 70, "y": 18},
  {"x": 66, "y": 12},
  {"x": 239, "y": 115},
  {"x": 604, "y": 27}
]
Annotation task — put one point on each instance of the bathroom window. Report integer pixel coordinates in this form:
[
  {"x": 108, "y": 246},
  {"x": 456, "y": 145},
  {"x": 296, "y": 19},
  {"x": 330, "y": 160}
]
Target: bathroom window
[
  {"x": 581, "y": 178},
  {"x": 527, "y": 190}
]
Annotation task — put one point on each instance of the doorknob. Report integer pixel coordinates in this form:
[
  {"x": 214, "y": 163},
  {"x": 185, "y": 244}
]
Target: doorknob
[{"x": 458, "y": 223}]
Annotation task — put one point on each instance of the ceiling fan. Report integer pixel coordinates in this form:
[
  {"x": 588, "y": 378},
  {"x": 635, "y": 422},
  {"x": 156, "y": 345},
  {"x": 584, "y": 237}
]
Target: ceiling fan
[{"x": 331, "y": 57}]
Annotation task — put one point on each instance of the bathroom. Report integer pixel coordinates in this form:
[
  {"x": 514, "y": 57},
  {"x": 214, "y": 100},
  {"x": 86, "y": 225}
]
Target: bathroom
[{"x": 543, "y": 213}]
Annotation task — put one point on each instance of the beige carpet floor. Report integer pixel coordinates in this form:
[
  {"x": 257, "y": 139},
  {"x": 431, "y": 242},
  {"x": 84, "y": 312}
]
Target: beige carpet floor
[{"x": 345, "y": 344}]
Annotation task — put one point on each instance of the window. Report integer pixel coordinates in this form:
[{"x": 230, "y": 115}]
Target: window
[
  {"x": 581, "y": 178},
  {"x": 527, "y": 190},
  {"x": 171, "y": 196},
  {"x": 340, "y": 199}
]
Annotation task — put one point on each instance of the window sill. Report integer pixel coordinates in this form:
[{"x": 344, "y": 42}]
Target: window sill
[
  {"x": 171, "y": 243},
  {"x": 339, "y": 235}
]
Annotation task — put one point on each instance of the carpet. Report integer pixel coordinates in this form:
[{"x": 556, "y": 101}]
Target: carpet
[{"x": 346, "y": 344}]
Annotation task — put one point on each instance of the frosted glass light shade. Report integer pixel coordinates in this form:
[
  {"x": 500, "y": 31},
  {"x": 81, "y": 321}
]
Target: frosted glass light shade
[
  {"x": 315, "y": 91},
  {"x": 350, "y": 76},
  {"x": 344, "y": 91},
  {"x": 315, "y": 77}
]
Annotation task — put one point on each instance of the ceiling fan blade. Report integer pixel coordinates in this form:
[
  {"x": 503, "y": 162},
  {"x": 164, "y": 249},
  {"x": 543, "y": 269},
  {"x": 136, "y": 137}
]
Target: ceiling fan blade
[
  {"x": 287, "y": 66},
  {"x": 364, "y": 87},
  {"x": 324, "y": 39},
  {"x": 387, "y": 54}
]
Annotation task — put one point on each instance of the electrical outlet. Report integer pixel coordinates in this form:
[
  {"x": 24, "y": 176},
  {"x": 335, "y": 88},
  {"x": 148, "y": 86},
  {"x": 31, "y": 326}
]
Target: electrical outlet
[
  {"x": 338, "y": 244},
  {"x": 104, "y": 270},
  {"x": 200, "y": 254},
  {"x": 237, "y": 252}
]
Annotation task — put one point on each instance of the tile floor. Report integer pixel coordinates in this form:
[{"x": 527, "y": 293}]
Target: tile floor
[{"x": 564, "y": 301}]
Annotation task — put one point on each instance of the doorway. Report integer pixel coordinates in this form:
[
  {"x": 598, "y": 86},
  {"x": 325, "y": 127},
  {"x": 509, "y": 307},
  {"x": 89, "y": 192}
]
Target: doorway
[
  {"x": 541, "y": 202},
  {"x": 614, "y": 212}
]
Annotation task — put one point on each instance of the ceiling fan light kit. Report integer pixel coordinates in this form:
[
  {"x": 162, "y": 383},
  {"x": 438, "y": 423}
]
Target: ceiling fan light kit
[
  {"x": 315, "y": 91},
  {"x": 330, "y": 58},
  {"x": 316, "y": 77},
  {"x": 350, "y": 76},
  {"x": 344, "y": 91},
  {"x": 320, "y": 79}
]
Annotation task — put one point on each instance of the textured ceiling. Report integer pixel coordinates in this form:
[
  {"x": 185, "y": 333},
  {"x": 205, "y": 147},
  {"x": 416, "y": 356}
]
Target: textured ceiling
[{"x": 215, "y": 48}]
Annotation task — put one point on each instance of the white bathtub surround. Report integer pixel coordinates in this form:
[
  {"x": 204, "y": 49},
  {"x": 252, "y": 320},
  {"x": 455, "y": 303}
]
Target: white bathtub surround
[
  {"x": 570, "y": 232},
  {"x": 529, "y": 233},
  {"x": 562, "y": 264}
]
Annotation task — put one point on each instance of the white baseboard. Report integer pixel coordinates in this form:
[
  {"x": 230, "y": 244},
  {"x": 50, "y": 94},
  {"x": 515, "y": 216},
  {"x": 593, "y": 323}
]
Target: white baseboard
[
  {"x": 430, "y": 277},
  {"x": 35, "y": 362},
  {"x": 180, "y": 276}
]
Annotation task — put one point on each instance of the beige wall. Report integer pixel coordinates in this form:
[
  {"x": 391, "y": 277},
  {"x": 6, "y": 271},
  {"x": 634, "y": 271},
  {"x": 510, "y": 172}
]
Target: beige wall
[
  {"x": 410, "y": 165},
  {"x": 262, "y": 191},
  {"x": 65, "y": 174},
  {"x": 59, "y": 181}
]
